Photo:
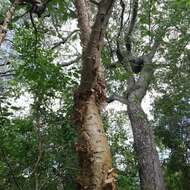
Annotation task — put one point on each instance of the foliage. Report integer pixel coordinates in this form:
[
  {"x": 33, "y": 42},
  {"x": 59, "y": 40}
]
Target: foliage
[
  {"x": 121, "y": 144},
  {"x": 172, "y": 124},
  {"x": 50, "y": 88},
  {"x": 46, "y": 128}
]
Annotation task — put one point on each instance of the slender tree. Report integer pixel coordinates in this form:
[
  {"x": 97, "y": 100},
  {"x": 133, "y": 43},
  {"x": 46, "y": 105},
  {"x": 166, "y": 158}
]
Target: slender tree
[
  {"x": 93, "y": 150},
  {"x": 150, "y": 173}
]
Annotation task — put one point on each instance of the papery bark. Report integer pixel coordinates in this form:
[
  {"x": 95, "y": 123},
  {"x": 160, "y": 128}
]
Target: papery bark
[{"x": 96, "y": 172}]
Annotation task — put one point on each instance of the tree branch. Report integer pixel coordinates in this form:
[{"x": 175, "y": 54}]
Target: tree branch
[
  {"x": 115, "y": 97},
  {"x": 65, "y": 64},
  {"x": 132, "y": 21},
  {"x": 161, "y": 31},
  {"x": 6, "y": 73},
  {"x": 91, "y": 52},
  {"x": 57, "y": 44},
  {"x": 122, "y": 17},
  {"x": 94, "y": 2},
  {"x": 122, "y": 45},
  {"x": 148, "y": 68},
  {"x": 109, "y": 46},
  {"x": 99, "y": 27},
  {"x": 84, "y": 14},
  {"x": 4, "y": 64},
  {"x": 7, "y": 20},
  {"x": 20, "y": 16}
]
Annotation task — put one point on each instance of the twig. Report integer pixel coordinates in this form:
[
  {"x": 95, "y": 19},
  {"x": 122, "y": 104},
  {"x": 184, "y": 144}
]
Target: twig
[
  {"x": 20, "y": 16},
  {"x": 7, "y": 20},
  {"x": 122, "y": 16},
  {"x": 133, "y": 20},
  {"x": 64, "y": 40},
  {"x": 36, "y": 35},
  {"x": 6, "y": 73},
  {"x": 116, "y": 97},
  {"x": 65, "y": 64},
  {"x": 4, "y": 64},
  {"x": 94, "y": 2}
]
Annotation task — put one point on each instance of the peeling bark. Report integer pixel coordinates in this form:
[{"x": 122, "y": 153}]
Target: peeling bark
[
  {"x": 96, "y": 172},
  {"x": 93, "y": 149}
]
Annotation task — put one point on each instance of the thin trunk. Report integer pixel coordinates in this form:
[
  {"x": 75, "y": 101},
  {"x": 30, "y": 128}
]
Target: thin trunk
[
  {"x": 93, "y": 149},
  {"x": 7, "y": 20},
  {"x": 36, "y": 182},
  {"x": 149, "y": 165}
]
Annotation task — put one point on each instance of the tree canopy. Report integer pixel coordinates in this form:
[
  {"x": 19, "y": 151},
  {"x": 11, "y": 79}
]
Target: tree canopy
[{"x": 73, "y": 78}]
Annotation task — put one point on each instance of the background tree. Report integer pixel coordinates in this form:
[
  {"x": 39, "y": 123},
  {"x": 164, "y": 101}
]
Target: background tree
[
  {"x": 151, "y": 24},
  {"x": 171, "y": 108}
]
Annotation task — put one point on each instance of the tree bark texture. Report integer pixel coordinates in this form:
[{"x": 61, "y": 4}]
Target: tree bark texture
[
  {"x": 151, "y": 177},
  {"x": 96, "y": 172},
  {"x": 149, "y": 165}
]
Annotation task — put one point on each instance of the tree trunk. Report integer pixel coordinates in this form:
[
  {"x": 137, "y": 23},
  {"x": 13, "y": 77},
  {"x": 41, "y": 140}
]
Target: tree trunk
[
  {"x": 7, "y": 20},
  {"x": 94, "y": 154},
  {"x": 96, "y": 172},
  {"x": 151, "y": 177}
]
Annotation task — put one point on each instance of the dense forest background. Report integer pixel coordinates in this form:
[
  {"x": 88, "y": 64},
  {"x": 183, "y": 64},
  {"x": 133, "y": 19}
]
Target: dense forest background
[{"x": 68, "y": 68}]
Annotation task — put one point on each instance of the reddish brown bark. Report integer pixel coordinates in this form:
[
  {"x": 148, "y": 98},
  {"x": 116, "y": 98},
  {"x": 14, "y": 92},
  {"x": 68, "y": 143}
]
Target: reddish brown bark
[{"x": 94, "y": 154}]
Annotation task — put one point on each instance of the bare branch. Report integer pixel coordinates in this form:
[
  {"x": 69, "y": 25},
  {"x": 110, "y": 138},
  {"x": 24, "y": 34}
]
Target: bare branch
[
  {"x": 109, "y": 46},
  {"x": 133, "y": 20},
  {"x": 6, "y": 73},
  {"x": 116, "y": 97},
  {"x": 94, "y": 2},
  {"x": 122, "y": 16},
  {"x": 153, "y": 49},
  {"x": 4, "y": 64},
  {"x": 124, "y": 56},
  {"x": 57, "y": 44},
  {"x": 65, "y": 64},
  {"x": 38, "y": 127},
  {"x": 94, "y": 45},
  {"x": 55, "y": 24},
  {"x": 39, "y": 157}
]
